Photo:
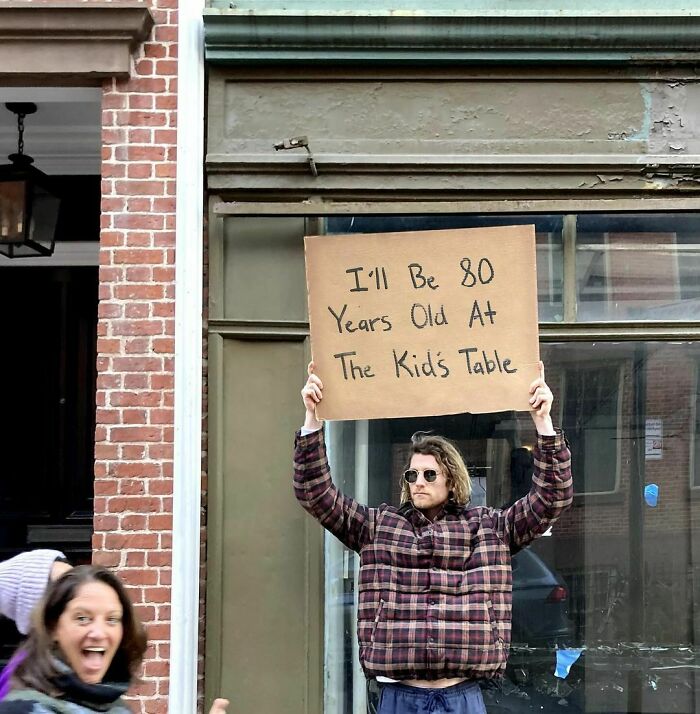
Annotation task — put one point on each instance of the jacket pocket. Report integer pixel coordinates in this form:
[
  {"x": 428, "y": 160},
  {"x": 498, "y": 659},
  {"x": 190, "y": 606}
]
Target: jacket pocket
[{"x": 377, "y": 619}]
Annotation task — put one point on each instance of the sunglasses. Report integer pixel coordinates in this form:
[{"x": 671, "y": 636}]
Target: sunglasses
[{"x": 411, "y": 475}]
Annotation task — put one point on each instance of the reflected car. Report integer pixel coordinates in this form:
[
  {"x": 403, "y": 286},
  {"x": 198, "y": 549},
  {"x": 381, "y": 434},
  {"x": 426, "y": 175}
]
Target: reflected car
[{"x": 540, "y": 603}]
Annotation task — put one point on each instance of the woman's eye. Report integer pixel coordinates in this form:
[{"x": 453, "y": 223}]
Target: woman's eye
[
  {"x": 82, "y": 619},
  {"x": 114, "y": 620}
]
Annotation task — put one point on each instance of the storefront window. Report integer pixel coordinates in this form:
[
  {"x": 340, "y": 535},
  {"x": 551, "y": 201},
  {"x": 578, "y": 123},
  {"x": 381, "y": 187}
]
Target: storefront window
[
  {"x": 617, "y": 578},
  {"x": 616, "y": 575},
  {"x": 592, "y": 419},
  {"x": 638, "y": 267},
  {"x": 548, "y": 232}
]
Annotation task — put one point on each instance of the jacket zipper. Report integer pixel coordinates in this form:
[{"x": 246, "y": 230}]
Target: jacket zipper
[{"x": 492, "y": 618}]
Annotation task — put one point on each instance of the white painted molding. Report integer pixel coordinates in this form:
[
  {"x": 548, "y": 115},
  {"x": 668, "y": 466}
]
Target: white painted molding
[{"x": 184, "y": 633}]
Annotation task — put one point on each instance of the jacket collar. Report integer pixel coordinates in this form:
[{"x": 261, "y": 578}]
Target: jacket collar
[{"x": 411, "y": 513}]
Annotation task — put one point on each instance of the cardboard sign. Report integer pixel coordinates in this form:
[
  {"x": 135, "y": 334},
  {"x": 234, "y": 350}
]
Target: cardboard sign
[{"x": 423, "y": 323}]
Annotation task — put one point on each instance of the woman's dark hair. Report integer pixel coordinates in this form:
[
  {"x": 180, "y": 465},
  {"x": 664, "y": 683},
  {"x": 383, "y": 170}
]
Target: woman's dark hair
[{"x": 38, "y": 670}]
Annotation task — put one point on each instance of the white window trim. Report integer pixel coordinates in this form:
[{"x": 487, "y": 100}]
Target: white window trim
[{"x": 187, "y": 454}]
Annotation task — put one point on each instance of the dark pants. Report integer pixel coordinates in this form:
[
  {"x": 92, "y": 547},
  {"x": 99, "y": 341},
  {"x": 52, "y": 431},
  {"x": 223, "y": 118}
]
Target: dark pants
[{"x": 462, "y": 698}]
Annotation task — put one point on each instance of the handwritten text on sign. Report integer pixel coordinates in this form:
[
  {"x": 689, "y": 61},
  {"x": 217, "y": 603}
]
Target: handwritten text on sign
[{"x": 423, "y": 323}]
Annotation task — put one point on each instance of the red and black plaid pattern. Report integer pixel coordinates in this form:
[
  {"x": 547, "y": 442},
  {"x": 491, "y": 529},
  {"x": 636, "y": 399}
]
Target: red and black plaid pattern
[{"x": 434, "y": 597}]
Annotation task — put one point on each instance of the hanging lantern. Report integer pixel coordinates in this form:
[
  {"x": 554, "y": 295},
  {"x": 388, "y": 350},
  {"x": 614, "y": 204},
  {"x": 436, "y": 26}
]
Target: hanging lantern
[{"x": 29, "y": 201}]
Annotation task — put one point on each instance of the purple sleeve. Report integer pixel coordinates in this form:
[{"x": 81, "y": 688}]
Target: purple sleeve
[{"x": 6, "y": 674}]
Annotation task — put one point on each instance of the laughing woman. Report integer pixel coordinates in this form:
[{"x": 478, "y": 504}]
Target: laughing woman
[{"x": 83, "y": 651}]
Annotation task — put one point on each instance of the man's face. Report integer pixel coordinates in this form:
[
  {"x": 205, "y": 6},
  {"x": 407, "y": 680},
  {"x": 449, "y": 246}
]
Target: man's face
[{"x": 428, "y": 497}]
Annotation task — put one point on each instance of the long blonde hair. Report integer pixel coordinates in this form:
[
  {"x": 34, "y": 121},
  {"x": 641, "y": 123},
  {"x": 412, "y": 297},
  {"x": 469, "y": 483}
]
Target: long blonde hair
[{"x": 451, "y": 462}]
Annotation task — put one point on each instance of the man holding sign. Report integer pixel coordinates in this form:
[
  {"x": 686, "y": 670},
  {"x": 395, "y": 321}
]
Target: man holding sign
[{"x": 435, "y": 580}]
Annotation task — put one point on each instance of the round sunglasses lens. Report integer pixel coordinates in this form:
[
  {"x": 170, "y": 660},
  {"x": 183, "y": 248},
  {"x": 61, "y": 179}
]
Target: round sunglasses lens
[
  {"x": 429, "y": 475},
  {"x": 410, "y": 476}
]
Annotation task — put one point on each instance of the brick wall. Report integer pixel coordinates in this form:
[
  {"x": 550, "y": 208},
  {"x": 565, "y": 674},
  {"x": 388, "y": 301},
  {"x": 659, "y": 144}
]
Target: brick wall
[
  {"x": 670, "y": 388},
  {"x": 134, "y": 434}
]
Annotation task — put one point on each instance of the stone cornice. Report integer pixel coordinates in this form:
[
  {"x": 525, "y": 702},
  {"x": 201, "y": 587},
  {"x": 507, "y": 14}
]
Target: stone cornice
[
  {"x": 248, "y": 36},
  {"x": 70, "y": 39}
]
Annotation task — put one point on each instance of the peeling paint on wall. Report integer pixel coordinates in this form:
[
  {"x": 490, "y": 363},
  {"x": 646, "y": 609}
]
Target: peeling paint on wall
[{"x": 642, "y": 134}]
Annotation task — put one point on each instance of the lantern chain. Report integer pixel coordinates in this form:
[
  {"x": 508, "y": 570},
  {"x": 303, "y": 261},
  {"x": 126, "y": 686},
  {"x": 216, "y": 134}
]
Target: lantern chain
[{"x": 20, "y": 130}]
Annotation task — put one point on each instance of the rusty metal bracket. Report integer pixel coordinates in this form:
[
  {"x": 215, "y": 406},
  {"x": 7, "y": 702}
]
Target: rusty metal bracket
[{"x": 298, "y": 142}]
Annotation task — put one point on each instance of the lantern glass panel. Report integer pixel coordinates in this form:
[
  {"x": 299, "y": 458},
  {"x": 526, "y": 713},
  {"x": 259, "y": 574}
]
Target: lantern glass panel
[
  {"x": 42, "y": 227},
  {"x": 12, "y": 213}
]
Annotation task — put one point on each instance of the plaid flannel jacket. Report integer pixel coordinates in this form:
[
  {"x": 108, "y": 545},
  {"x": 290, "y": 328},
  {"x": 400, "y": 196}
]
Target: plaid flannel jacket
[{"x": 434, "y": 597}]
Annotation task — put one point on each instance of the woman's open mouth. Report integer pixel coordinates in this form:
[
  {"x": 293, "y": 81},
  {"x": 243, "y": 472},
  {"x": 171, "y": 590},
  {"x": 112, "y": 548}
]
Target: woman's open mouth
[{"x": 93, "y": 658}]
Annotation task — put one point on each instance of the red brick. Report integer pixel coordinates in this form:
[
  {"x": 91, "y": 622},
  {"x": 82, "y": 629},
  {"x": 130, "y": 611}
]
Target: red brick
[
  {"x": 140, "y": 136},
  {"x": 107, "y": 309},
  {"x": 135, "y": 399},
  {"x": 160, "y": 522},
  {"x": 136, "y": 381},
  {"x": 141, "y": 118},
  {"x": 136, "y": 433},
  {"x": 138, "y": 470},
  {"x": 105, "y": 488},
  {"x": 134, "y": 522},
  {"x": 137, "y": 327},
  {"x": 139, "y": 274},
  {"x": 135, "y": 291},
  {"x": 108, "y": 416},
  {"x": 113, "y": 170},
  {"x": 131, "y": 487},
  {"x": 139, "y": 171},
  {"x": 133, "y": 451},
  {"x": 108, "y": 560},
  {"x": 160, "y": 487},
  {"x": 162, "y": 381},
  {"x": 133, "y": 541},
  {"x": 135, "y": 256},
  {"x": 163, "y": 345},
  {"x": 134, "y": 311},
  {"x": 140, "y": 101},
  {"x": 113, "y": 101},
  {"x": 106, "y": 523},
  {"x": 158, "y": 595},
  {"x": 151, "y": 49},
  {"x": 158, "y": 559}
]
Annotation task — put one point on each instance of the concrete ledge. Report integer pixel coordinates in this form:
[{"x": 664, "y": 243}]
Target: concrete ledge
[{"x": 69, "y": 39}]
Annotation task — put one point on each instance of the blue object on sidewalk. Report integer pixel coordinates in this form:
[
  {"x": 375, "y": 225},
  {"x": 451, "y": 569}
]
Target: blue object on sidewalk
[{"x": 565, "y": 658}]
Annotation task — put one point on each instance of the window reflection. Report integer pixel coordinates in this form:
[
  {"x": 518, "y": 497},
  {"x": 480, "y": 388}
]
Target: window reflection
[
  {"x": 638, "y": 267},
  {"x": 628, "y": 267},
  {"x": 618, "y": 577},
  {"x": 591, "y": 417},
  {"x": 548, "y": 236}
]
